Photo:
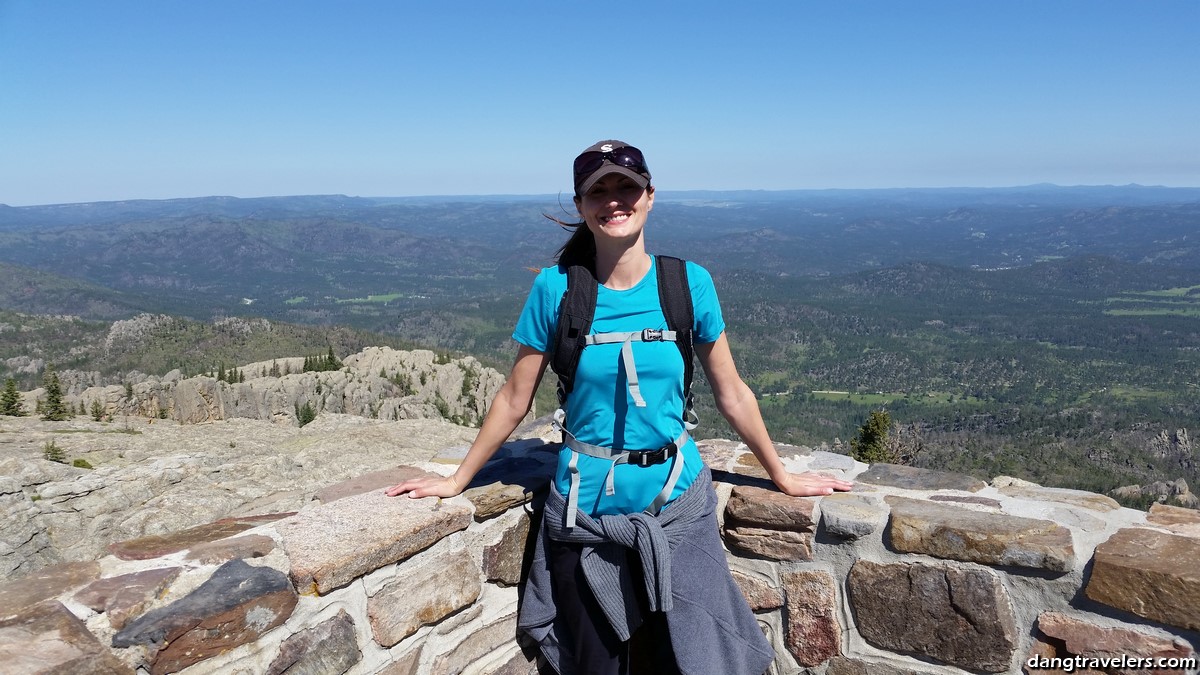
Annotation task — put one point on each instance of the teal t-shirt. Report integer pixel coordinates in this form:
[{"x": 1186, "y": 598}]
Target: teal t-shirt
[{"x": 600, "y": 410}]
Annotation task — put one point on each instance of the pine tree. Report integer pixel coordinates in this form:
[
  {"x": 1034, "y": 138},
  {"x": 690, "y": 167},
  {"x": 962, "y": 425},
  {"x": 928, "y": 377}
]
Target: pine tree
[
  {"x": 55, "y": 409},
  {"x": 332, "y": 361},
  {"x": 97, "y": 410},
  {"x": 10, "y": 400},
  {"x": 871, "y": 444}
]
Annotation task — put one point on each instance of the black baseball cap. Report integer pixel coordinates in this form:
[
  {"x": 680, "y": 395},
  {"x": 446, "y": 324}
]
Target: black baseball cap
[{"x": 606, "y": 157}]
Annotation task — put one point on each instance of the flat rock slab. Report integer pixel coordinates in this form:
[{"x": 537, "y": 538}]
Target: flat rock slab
[
  {"x": 759, "y": 593},
  {"x": 48, "y": 638},
  {"x": 831, "y": 460},
  {"x": 329, "y": 648},
  {"x": 156, "y": 546},
  {"x": 955, "y": 533},
  {"x": 1175, "y": 518},
  {"x": 441, "y": 586},
  {"x": 748, "y": 465},
  {"x": 246, "y": 546},
  {"x": 912, "y": 478},
  {"x": 852, "y": 516},
  {"x": 1149, "y": 573},
  {"x": 333, "y": 544},
  {"x": 962, "y": 617},
  {"x": 123, "y": 596},
  {"x": 782, "y": 545},
  {"x": 770, "y": 509},
  {"x": 967, "y": 499},
  {"x": 813, "y": 633},
  {"x": 1083, "y": 638},
  {"x": 48, "y": 582},
  {"x": 375, "y": 480},
  {"x": 236, "y": 605},
  {"x": 1087, "y": 500},
  {"x": 492, "y": 637},
  {"x": 718, "y": 453},
  {"x": 503, "y": 484}
]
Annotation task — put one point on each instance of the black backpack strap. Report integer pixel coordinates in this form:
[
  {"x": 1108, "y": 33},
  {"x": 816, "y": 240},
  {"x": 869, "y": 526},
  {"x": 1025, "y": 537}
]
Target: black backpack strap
[
  {"x": 675, "y": 297},
  {"x": 575, "y": 314}
]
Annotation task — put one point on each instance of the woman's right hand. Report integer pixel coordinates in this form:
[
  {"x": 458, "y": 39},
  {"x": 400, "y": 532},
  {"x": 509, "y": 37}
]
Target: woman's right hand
[{"x": 431, "y": 486}]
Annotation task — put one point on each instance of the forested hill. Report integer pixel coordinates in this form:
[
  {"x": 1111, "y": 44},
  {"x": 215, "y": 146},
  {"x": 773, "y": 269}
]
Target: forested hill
[{"x": 1052, "y": 333}]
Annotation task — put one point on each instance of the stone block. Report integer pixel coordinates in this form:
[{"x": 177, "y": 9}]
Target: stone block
[
  {"x": 770, "y": 509},
  {"x": 850, "y": 515},
  {"x": 124, "y": 596},
  {"x": 912, "y": 478},
  {"x": 156, "y": 546},
  {"x": 48, "y": 639},
  {"x": 238, "y": 604},
  {"x": 367, "y": 482},
  {"x": 1149, "y": 573},
  {"x": 247, "y": 546},
  {"x": 505, "y": 483},
  {"x": 955, "y": 533},
  {"x": 48, "y": 582},
  {"x": 438, "y": 587},
  {"x": 1071, "y": 636},
  {"x": 967, "y": 499},
  {"x": 496, "y": 635},
  {"x": 502, "y": 561},
  {"x": 958, "y": 616},
  {"x": 813, "y": 632},
  {"x": 333, "y": 544},
  {"x": 329, "y": 648},
  {"x": 759, "y": 594},
  {"x": 780, "y": 545},
  {"x": 1037, "y": 493},
  {"x": 1175, "y": 518}
]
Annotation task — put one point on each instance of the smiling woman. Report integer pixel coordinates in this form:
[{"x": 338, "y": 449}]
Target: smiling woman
[{"x": 629, "y": 573}]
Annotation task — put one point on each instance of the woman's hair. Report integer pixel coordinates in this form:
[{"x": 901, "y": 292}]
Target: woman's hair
[{"x": 580, "y": 248}]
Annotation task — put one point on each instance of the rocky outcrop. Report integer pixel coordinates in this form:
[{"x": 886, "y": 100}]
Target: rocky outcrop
[
  {"x": 378, "y": 383},
  {"x": 1173, "y": 493}
]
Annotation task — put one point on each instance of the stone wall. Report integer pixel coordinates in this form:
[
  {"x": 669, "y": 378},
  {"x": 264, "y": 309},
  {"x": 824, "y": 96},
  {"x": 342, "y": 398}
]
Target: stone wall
[{"x": 914, "y": 571}]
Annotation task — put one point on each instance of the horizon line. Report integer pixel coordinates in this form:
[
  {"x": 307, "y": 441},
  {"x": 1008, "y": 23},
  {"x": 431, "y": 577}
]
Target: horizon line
[{"x": 530, "y": 195}]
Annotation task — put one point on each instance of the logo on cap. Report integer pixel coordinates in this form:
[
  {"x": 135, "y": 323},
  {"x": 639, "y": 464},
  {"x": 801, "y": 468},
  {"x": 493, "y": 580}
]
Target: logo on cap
[{"x": 607, "y": 147}]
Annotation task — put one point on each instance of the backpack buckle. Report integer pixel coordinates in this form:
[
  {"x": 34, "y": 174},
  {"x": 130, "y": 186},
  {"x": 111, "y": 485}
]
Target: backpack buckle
[
  {"x": 651, "y": 457},
  {"x": 652, "y": 335}
]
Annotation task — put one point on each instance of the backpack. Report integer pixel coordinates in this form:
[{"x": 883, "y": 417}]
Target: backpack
[{"x": 578, "y": 309}]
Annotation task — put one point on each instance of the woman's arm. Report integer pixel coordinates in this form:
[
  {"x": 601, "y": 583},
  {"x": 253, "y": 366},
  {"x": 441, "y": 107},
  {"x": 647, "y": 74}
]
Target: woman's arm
[
  {"x": 737, "y": 404},
  {"x": 509, "y": 407}
]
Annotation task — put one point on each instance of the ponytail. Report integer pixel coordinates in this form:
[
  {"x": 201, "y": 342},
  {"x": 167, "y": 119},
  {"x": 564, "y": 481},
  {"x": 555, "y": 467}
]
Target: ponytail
[{"x": 580, "y": 247}]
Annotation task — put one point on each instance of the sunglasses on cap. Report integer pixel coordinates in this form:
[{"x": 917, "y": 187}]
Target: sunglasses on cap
[{"x": 626, "y": 156}]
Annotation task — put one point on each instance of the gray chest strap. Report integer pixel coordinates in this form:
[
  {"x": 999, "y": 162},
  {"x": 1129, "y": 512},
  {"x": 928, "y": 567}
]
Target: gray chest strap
[{"x": 626, "y": 341}]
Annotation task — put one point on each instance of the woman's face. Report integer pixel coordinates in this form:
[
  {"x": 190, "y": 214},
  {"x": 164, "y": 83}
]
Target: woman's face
[{"x": 615, "y": 208}]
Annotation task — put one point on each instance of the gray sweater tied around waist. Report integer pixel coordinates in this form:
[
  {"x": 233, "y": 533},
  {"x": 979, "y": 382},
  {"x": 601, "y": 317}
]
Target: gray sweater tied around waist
[{"x": 713, "y": 631}]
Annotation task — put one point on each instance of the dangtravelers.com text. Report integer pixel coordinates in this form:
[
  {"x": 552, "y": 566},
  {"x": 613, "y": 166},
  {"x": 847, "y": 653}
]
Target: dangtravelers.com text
[{"x": 1072, "y": 663}]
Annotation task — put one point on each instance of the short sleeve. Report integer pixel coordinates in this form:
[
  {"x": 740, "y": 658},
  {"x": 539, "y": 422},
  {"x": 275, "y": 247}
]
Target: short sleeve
[
  {"x": 706, "y": 307},
  {"x": 536, "y": 325}
]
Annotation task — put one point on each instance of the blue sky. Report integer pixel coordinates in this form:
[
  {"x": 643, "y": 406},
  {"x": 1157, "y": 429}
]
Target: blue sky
[{"x": 116, "y": 99}]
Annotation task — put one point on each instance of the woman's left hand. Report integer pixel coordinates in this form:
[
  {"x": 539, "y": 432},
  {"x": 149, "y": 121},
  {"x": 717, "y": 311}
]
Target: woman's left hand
[{"x": 811, "y": 484}]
